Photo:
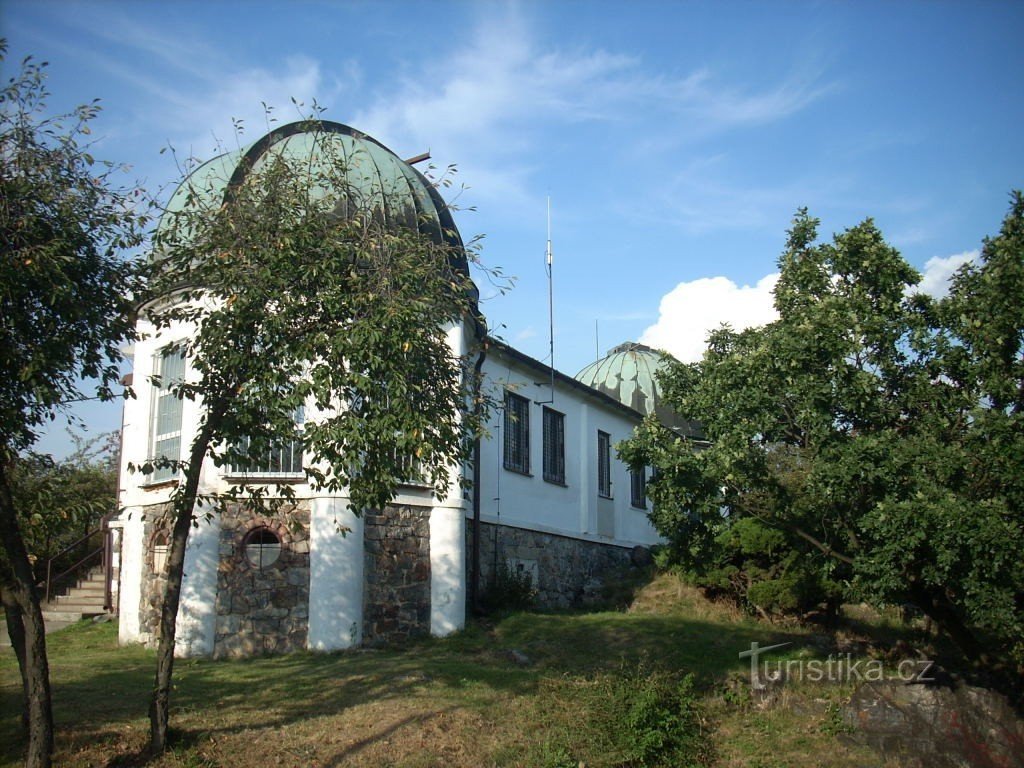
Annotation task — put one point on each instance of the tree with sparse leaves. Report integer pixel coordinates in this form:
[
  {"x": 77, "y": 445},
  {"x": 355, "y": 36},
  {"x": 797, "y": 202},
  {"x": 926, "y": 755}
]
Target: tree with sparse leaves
[
  {"x": 297, "y": 297},
  {"x": 870, "y": 439},
  {"x": 65, "y": 309}
]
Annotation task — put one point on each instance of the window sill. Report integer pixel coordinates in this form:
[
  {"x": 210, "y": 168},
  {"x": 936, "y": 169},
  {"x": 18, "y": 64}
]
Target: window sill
[
  {"x": 553, "y": 481},
  {"x": 605, "y": 496},
  {"x": 414, "y": 485},
  {"x": 524, "y": 473},
  {"x": 159, "y": 485},
  {"x": 266, "y": 479},
  {"x": 638, "y": 507}
]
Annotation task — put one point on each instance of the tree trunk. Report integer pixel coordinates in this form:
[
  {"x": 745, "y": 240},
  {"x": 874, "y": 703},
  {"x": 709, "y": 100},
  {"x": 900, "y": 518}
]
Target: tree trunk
[
  {"x": 21, "y": 591},
  {"x": 16, "y": 631},
  {"x": 940, "y": 610},
  {"x": 184, "y": 509}
]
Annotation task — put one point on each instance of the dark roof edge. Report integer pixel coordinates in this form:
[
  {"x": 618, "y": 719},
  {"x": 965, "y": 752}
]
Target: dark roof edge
[
  {"x": 562, "y": 378},
  {"x": 692, "y": 431}
]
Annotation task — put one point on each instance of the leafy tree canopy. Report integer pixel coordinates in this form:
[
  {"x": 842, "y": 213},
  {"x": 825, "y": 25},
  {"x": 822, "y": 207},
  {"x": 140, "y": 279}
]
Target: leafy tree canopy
[
  {"x": 65, "y": 287},
  {"x": 293, "y": 295},
  {"x": 298, "y": 299},
  {"x": 66, "y": 293},
  {"x": 868, "y": 443},
  {"x": 60, "y": 501}
]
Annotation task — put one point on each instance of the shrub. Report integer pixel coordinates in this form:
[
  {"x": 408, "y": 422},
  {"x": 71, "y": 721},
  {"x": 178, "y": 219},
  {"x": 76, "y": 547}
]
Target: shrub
[
  {"x": 510, "y": 589},
  {"x": 630, "y": 717}
]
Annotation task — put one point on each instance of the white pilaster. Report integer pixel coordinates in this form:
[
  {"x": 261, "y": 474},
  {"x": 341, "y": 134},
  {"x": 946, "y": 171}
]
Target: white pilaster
[
  {"x": 335, "y": 576},
  {"x": 132, "y": 559},
  {"x": 447, "y": 570},
  {"x": 197, "y": 610}
]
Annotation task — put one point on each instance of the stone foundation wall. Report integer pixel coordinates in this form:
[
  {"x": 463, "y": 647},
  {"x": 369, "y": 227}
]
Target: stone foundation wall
[
  {"x": 156, "y": 519},
  {"x": 396, "y": 596},
  {"x": 566, "y": 572},
  {"x": 262, "y": 609}
]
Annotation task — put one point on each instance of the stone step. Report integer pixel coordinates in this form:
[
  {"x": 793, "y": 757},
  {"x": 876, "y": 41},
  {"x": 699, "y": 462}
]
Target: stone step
[
  {"x": 63, "y": 617},
  {"x": 90, "y": 590},
  {"x": 79, "y": 597},
  {"x": 89, "y": 586},
  {"x": 74, "y": 599},
  {"x": 84, "y": 609},
  {"x": 95, "y": 582}
]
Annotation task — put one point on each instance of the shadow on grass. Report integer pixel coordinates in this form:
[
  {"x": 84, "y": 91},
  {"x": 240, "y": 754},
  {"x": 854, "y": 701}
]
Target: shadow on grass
[
  {"x": 588, "y": 642},
  {"x": 101, "y": 691}
]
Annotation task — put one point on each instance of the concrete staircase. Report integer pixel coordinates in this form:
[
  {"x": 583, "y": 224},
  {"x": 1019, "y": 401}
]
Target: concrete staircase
[{"x": 82, "y": 601}]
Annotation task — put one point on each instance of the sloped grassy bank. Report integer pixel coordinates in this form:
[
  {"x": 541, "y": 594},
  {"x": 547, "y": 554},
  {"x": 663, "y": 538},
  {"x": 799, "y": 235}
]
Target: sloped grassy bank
[{"x": 660, "y": 683}]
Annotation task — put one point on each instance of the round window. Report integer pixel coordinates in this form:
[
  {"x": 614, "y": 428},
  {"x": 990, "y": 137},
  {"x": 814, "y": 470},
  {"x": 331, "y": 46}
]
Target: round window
[{"x": 262, "y": 547}]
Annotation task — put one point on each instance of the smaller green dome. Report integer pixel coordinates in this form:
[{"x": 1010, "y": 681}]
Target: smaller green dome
[{"x": 626, "y": 373}]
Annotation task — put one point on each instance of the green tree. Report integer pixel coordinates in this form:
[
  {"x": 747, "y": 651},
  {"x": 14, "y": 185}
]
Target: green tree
[
  {"x": 871, "y": 436},
  {"x": 298, "y": 297},
  {"x": 61, "y": 501},
  {"x": 64, "y": 312}
]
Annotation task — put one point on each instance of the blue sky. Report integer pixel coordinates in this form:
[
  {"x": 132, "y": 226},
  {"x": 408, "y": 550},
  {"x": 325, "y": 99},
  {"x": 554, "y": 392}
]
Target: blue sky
[{"x": 676, "y": 140}]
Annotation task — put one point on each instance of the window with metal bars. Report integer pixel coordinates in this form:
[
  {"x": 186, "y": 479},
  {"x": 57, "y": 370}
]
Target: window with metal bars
[
  {"x": 638, "y": 488},
  {"x": 410, "y": 470},
  {"x": 517, "y": 433},
  {"x": 283, "y": 457},
  {"x": 167, "y": 408},
  {"x": 604, "y": 464},
  {"x": 554, "y": 446}
]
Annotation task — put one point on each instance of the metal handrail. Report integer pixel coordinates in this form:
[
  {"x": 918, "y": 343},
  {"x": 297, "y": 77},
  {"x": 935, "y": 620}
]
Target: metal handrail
[
  {"x": 51, "y": 579},
  {"x": 108, "y": 567}
]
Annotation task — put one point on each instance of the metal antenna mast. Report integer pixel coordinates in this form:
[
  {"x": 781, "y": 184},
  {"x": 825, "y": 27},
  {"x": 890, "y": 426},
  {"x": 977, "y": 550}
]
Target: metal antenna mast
[{"x": 548, "y": 262}]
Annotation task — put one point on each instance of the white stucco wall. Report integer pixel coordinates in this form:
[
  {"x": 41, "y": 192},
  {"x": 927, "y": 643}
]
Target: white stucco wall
[
  {"x": 336, "y": 560},
  {"x": 335, "y": 576},
  {"x": 132, "y": 563},
  {"x": 447, "y": 570},
  {"x": 197, "y": 614},
  {"x": 572, "y": 509}
]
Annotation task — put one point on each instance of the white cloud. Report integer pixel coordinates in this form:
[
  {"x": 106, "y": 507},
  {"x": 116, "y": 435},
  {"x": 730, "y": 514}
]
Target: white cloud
[
  {"x": 486, "y": 105},
  {"x": 240, "y": 94},
  {"x": 527, "y": 333},
  {"x": 692, "y": 309},
  {"x": 939, "y": 269}
]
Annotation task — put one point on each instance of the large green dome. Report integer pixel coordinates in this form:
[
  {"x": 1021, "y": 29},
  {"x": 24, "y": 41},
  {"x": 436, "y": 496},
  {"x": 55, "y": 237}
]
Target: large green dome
[
  {"x": 376, "y": 180},
  {"x": 626, "y": 373}
]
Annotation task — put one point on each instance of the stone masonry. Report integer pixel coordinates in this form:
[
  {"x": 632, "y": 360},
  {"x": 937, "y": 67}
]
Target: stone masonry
[
  {"x": 156, "y": 523},
  {"x": 262, "y": 610},
  {"x": 568, "y": 572},
  {"x": 396, "y": 597}
]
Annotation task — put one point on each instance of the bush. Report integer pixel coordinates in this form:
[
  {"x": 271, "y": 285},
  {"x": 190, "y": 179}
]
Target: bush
[
  {"x": 510, "y": 589},
  {"x": 630, "y": 717},
  {"x": 661, "y": 721}
]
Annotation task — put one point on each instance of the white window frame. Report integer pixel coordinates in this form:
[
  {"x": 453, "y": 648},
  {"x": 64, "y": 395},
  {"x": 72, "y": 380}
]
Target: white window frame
[{"x": 160, "y": 442}]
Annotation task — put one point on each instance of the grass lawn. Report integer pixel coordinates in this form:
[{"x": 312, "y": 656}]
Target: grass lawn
[{"x": 460, "y": 701}]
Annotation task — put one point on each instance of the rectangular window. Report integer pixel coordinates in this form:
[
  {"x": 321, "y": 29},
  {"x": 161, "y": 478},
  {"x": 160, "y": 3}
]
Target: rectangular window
[
  {"x": 517, "y": 433},
  {"x": 166, "y": 439},
  {"x": 410, "y": 471},
  {"x": 604, "y": 464},
  {"x": 638, "y": 488},
  {"x": 554, "y": 446},
  {"x": 282, "y": 458}
]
